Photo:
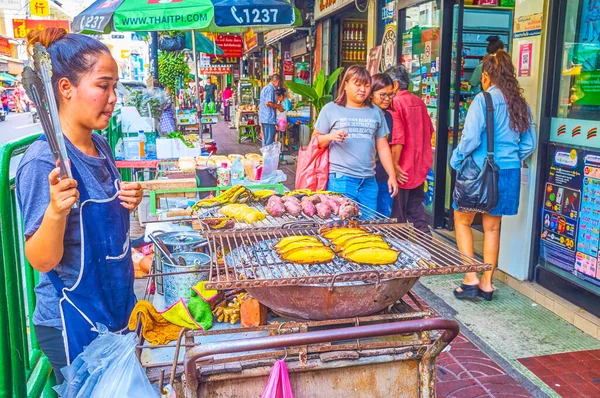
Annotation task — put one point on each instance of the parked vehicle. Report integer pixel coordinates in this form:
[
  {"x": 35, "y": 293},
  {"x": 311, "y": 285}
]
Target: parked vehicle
[
  {"x": 12, "y": 105},
  {"x": 2, "y": 114}
]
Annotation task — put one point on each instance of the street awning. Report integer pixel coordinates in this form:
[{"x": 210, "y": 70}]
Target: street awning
[{"x": 8, "y": 78}]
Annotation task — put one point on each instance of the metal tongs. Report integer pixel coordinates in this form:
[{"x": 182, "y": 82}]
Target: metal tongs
[{"x": 38, "y": 85}]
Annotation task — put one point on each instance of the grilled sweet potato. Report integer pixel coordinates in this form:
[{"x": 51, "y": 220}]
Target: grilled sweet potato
[{"x": 309, "y": 255}]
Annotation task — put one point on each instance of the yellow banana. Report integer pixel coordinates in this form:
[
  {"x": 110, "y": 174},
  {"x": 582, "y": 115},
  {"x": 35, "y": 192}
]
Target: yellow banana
[
  {"x": 349, "y": 235},
  {"x": 372, "y": 256},
  {"x": 365, "y": 245},
  {"x": 309, "y": 255},
  {"x": 289, "y": 239},
  {"x": 358, "y": 239},
  {"x": 334, "y": 233}
]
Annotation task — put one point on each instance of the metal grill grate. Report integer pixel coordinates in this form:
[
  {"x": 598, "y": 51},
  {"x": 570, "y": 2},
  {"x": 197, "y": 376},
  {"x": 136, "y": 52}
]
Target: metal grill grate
[{"x": 244, "y": 259}]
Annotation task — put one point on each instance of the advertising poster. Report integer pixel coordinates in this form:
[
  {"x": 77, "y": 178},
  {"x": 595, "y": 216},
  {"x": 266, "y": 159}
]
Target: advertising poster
[
  {"x": 525, "y": 59},
  {"x": 588, "y": 235},
  {"x": 302, "y": 73},
  {"x": 562, "y": 201}
]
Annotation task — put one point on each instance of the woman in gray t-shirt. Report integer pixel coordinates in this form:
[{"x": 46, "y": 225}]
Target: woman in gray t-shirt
[{"x": 355, "y": 131}]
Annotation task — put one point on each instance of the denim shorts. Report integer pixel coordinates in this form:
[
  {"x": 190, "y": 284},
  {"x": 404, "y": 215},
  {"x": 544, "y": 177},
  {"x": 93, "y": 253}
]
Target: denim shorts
[
  {"x": 361, "y": 190},
  {"x": 509, "y": 192}
]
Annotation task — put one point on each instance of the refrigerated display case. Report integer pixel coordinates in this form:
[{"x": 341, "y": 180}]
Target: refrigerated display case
[{"x": 353, "y": 42}]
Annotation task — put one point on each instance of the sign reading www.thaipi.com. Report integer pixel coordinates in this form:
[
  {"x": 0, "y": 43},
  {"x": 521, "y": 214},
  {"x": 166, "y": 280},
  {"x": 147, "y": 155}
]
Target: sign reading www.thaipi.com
[{"x": 154, "y": 15}]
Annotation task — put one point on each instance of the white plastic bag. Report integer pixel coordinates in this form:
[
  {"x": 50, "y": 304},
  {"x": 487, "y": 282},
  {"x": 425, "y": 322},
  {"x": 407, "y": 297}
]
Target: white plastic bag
[
  {"x": 270, "y": 162},
  {"x": 107, "y": 368}
]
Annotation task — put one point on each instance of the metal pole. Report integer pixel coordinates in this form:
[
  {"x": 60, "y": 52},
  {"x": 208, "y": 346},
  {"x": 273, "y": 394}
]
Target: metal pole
[
  {"x": 195, "y": 54},
  {"x": 154, "y": 56}
]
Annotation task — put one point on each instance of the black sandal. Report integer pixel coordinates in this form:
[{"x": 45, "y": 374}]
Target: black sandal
[
  {"x": 468, "y": 291},
  {"x": 487, "y": 296}
]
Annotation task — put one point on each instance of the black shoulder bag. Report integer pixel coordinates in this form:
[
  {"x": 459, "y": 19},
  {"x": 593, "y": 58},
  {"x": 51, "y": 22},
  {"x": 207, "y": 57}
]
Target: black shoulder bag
[{"x": 476, "y": 190}]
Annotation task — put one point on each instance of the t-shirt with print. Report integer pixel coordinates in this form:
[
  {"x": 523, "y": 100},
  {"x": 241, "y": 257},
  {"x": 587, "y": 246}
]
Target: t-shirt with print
[
  {"x": 355, "y": 157},
  {"x": 33, "y": 195}
]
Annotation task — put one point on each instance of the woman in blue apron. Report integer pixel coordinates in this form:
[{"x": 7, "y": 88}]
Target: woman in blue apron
[{"x": 82, "y": 253}]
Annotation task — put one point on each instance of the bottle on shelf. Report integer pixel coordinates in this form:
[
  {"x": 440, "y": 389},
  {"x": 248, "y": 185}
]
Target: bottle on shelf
[
  {"x": 360, "y": 32},
  {"x": 142, "y": 138},
  {"x": 237, "y": 172}
]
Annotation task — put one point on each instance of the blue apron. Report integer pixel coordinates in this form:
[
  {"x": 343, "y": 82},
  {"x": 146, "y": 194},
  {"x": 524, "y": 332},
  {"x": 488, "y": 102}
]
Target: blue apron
[{"x": 103, "y": 292}]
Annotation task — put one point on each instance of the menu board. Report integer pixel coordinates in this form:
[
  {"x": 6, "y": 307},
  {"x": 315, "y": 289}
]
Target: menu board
[
  {"x": 570, "y": 236},
  {"x": 588, "y": 238},
  {"x": 560, "y": 215}
]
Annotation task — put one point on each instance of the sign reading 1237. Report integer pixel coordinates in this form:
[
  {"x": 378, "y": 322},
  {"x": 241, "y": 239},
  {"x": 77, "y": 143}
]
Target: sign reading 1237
[{"x": 255, "y": 15}]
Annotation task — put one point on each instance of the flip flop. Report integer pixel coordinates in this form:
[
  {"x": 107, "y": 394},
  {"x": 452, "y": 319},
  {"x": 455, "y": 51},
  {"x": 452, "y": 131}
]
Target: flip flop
[
  {"x": 487, "y": 296},
  {"x": 468, "y": 291}
]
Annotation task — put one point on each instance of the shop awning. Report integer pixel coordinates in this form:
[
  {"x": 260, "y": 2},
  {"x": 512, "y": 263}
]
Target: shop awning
[
  {"x": 279, "y": 34},
  {"x": 8, "y": 78}
]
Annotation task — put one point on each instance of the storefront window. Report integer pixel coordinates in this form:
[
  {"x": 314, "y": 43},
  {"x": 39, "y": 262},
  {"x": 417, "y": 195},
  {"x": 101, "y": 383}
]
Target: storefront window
[
  {"x": 579, "y": 88},
  {"x": 569, "y": 238},
  {"x": 421, "y": 56}
]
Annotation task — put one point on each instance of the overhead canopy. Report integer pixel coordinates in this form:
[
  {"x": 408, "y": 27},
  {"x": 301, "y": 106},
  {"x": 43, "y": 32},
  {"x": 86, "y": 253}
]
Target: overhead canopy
[
  {"x": 231, "y": 16},
  {"x": 203, "y": 44}
]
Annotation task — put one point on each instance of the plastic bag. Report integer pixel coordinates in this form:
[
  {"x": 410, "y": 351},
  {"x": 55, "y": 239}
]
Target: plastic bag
[
  {"x": 281, "y": 121},
  {"x": 278, "y": 385},
  {"x": 270, "y": 162},
  {"x": 313, "y": 167},
  {"x": 107, "y": 368}
]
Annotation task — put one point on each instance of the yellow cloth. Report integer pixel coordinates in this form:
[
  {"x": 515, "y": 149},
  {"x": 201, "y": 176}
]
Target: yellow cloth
[
  {"x": 178, "y": 314},
  {"x": 197, "y": 313},
  {"x": 155, "y": 328}
]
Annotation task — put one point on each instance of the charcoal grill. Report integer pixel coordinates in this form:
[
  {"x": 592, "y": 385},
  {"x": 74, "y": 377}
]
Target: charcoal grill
[{"x": 244, "y": 259}]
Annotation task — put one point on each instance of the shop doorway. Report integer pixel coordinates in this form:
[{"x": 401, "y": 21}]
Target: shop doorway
[{"x": 441, "y": 42}]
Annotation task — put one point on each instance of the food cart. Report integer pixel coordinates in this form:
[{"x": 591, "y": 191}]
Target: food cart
[
  {"x": 343, "y": 327},
  {"x": 246, "y": 112}
]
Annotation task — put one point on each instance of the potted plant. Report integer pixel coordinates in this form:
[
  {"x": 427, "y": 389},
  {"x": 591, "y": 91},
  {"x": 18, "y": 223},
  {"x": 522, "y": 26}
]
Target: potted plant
[{"x": 320, "y": 93}]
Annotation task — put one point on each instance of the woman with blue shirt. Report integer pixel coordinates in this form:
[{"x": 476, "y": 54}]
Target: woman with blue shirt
[
  {"x": 514, "y": 141},
  {"x": 355, "y": 131}
]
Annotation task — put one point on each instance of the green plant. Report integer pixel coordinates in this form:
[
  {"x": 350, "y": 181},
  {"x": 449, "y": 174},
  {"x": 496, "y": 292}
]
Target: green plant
[
  {"x": 320, "y": 93},
  {"x": 171, "y": 68}
]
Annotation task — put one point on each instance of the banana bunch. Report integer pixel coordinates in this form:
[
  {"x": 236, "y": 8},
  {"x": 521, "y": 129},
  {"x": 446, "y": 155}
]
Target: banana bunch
[
  {"x": 237, "y": 194},
  {"x": 230, "y": 312},
  {"x": 303, "y": 250}
]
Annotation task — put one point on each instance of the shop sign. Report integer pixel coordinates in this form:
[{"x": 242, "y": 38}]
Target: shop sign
[
  {"x": 231, "y": 45},
  {"x": 288, "y": 71},
  {"x": 326, "y": 7},
  {"x": 125, "y": 54},
  {"x": 388, "y": 12},
  {"x": 298, "y": 47},
  {"x": 40, "y": 8},
  {"x": 388, "y": 47},
  {"x": 219, "y": 70},
  {"x": 373, "y": 60},
  {"x": 23, "y": 26},
  {"x": 489, "y": 3},
  {"x": 10, "y": 5},
  {"x": 525, "y": 59},
  {"x": 302, "y": 73},
  {"x": 204, "y": 60},
  {"x": 219, "y": 60},
  {"x": 528, "y": 26},
  {"x": 4, "y": 46},
  {"x": 575, "y": 132},
  {"x": 250, "y": 40}
]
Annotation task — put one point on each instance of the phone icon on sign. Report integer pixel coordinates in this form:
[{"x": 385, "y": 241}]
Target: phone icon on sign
[{"x": 235, "y": 16}]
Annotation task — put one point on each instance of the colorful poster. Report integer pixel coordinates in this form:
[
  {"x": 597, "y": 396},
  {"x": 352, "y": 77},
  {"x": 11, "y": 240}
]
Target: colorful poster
[
  {"x": 560, "y": 215},
  {"x": 23, "y": 26},
  {"x": 588, "y": 235},
  {"x": 528, "y": 26},
  {"x": 525, "y": 50},
  {"x": 302, "y": 73}
]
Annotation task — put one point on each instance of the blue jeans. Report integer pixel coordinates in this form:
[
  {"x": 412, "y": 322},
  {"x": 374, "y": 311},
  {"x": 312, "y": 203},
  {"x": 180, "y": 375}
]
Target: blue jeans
[
  {"x": 268, "y": 133},
  {"x": 384, "y": 199},
  {"x": 361, "y": 190}
]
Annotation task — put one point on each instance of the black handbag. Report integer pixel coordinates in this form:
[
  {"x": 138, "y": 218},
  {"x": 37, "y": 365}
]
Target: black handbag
[{"x": 476, "y": 189}]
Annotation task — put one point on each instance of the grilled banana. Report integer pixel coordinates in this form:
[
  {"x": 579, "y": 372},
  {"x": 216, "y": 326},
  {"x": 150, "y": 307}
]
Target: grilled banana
[
  {"x": 297, "y": 244},
  {"x": 243, "y": 213},
  {"x": 372, "y": 256},
  {"x": 334, "y": 233},
  {"x": 309, "y": 255},
  {"x": 289, "y": 239},
  {"x": 358, "y": 239},
  {"x": 351, "y": 234},
  {"x": 365, "y": 245}
]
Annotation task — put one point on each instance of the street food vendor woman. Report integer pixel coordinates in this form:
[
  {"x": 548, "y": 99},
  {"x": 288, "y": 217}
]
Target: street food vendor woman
[{"x": 82, "y": 253}]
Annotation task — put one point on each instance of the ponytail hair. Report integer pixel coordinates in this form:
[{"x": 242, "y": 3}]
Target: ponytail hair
[{"x": 72, "y": 55}]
